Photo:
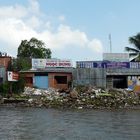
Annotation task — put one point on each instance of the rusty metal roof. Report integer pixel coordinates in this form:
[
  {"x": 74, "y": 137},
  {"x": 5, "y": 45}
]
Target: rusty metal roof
[{"x": 65, "y": 70}]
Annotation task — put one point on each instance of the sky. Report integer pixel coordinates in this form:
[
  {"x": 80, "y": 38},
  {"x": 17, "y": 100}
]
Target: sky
[{"x": 73, "y": 29}]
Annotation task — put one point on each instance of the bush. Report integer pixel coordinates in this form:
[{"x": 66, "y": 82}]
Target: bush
[
  {"x": 18, "y": 87},
  {"x": 4, "y": 88},
  {"x": 12, "y": 87}
]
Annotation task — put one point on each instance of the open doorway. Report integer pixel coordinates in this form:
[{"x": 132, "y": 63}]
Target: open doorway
[
  {"x": 61, "y": 79},
  {"x": 120, "y": 81}
]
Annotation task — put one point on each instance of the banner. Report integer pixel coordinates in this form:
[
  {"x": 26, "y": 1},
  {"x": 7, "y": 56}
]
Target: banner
[
  {"x": 117, "y": 65},
  {"x": 101, "y": 64},
  {"x": 48, "y": 63}
]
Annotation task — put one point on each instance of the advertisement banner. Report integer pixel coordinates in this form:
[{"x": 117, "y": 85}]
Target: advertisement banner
[
  {"x": 102, "y": 64},
  {"x": 48, "y": 63},
  {"x": 38, "y": 63},
  {"x": 58, "y": 63},
  {"x": 84, "y": 64},
  {"x": 117, "y": 65},
  {"x": 12, "y": 76},
  {"x": 99, "y": 64},
  {"x": 135, "y": 65}
]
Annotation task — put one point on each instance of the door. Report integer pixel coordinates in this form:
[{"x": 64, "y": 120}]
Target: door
[{"x": 41, "y": 82}]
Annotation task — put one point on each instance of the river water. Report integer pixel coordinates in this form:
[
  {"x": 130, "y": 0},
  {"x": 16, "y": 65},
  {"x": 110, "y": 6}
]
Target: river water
[{"x": 50, "y": 124}]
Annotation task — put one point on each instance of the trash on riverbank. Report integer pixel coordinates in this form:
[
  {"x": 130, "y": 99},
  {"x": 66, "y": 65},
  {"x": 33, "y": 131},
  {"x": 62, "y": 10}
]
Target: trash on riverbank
[{"x": 81, "y": 97}]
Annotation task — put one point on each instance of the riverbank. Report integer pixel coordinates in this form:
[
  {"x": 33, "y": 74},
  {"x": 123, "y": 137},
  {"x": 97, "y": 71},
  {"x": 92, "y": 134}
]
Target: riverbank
[{"x": 80, "y": 97}]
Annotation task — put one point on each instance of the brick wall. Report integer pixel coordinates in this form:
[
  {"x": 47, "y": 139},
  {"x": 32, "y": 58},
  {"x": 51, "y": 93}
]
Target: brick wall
[
  {"x": 53, "y": 83},
  {"x": 28, "y": 77}
]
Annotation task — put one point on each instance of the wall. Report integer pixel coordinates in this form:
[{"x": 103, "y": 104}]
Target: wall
[
  {"x": 87, "y": 76},
  {"x": 53, "y": 83},
  {"x": 28, "y": 79}
]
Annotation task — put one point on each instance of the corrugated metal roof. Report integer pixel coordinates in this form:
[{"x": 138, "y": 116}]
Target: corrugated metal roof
[{"x": 65, "y": 70}]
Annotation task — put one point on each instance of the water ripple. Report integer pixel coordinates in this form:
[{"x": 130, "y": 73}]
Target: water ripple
[{"x": 51, "y": 124}]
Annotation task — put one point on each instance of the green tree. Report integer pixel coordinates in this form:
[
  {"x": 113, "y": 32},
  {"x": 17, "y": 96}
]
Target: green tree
[
  {"x": 20, "y": 64},
  {"x": 27, "y": 50},
  {"x": 134, "y": 52},
  {"x": 33, "y": 48}
]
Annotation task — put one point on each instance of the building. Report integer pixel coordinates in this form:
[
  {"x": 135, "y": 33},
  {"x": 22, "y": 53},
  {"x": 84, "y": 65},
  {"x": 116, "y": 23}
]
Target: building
[
  {"x": 46, "y": 73},
  {"x": 5, "y": 61},
  {"x": 60, "y": 74},
  {"x": 109, "y": 74}
]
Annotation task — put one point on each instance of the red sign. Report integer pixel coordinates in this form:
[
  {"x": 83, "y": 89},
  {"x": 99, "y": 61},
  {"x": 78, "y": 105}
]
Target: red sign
[{"x": 58, "y": 63}]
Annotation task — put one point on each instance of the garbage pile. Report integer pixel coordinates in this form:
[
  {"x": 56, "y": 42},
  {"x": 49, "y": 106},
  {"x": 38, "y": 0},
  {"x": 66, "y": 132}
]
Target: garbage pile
[{"x": 82, "y": 97}]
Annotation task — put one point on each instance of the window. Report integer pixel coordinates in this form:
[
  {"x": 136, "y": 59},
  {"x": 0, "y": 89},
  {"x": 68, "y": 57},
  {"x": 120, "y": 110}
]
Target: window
[
  {"x": 61, "y": 79},
  {"x": 29, "y": 80}
]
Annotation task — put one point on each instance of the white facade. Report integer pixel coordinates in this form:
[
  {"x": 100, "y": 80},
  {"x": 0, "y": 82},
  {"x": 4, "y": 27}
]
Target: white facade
[{"x": 117, "y": 57}]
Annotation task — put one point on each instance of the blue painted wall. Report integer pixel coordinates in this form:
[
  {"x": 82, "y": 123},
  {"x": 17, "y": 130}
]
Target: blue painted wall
[{"x": 41, "y": 82}]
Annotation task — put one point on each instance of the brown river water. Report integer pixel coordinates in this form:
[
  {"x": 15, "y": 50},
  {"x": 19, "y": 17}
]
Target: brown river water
[{"x": 52, "y": 124}]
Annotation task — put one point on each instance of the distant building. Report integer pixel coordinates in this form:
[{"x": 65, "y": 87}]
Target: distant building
[
  {"x": 115, "y": 71},
  {"x": 5, "y": 61}
]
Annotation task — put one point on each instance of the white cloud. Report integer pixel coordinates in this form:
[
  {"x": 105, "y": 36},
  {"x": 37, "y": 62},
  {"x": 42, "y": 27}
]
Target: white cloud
[
  {"x": 48, "y": 25},
  {"x": 34, "y": 22},
  {"x": 15, "y": 11},
  {"x": 19, "y": 22},
  {"x": 34, "y": 7},
  {"x": 61, "y": 18},
  {"x": 95, "y": 45}
]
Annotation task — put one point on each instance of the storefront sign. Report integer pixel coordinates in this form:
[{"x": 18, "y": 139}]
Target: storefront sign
[
  {"x": 58, "y": 63},
  {"x": 38, "y": 63},
  {"x": 47, "y": 63},
  {"x": 84, "y": 64},
  {"x": 12, "y": 76},
  {"x": 101, "y": 64},
  {"x": 117, "y": 65}
]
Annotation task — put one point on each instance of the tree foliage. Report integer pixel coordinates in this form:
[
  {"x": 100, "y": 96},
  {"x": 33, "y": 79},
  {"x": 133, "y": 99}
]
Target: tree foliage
[
  {"x": 27, "y": 50},
  {"x": 134, "y": 52},
  {"x": 20, "y": 64},
  {"x": 33, "y": 48}
]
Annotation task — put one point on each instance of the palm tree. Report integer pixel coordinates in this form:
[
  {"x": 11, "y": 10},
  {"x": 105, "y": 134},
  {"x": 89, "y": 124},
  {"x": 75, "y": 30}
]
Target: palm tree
[{"x": 134, "y": 52}]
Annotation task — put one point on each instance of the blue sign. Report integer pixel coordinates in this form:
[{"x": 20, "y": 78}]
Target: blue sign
[
  {"x": 117, "y": 65},
  {"x": 107, "y": 64}
]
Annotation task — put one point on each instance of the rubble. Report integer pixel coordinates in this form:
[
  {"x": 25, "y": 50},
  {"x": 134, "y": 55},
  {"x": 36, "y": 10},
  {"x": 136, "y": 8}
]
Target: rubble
[{"x": 80, "y": 97}]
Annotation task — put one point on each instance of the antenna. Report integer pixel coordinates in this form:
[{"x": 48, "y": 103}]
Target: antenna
[{"x": 110, "y": 43}]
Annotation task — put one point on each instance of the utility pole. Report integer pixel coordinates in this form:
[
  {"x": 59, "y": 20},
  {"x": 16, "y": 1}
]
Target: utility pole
[{"x": 110, "y": 43}]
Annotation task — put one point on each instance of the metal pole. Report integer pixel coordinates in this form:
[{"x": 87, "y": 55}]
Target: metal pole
[{"x": 110, "y": 43}]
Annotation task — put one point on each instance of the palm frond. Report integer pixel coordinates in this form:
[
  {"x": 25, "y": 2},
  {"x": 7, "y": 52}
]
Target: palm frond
[
  {"x": 128, "y": 49},
  {"x": 137, "y": 58},
  {"x": 135, "y": 40},
  {"x": 133, "y": 54}
]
